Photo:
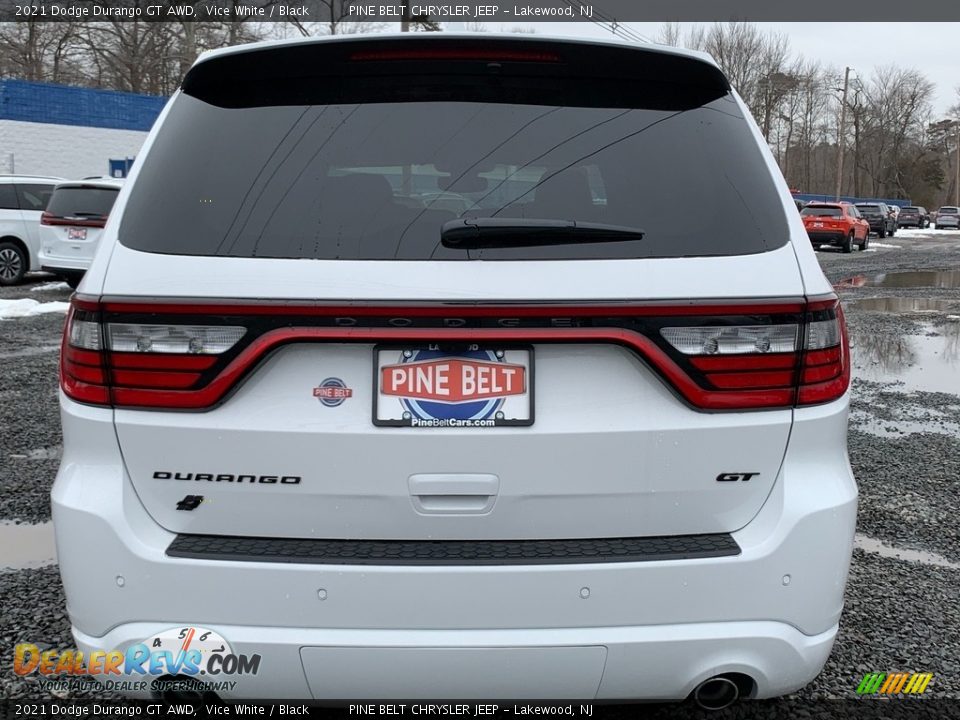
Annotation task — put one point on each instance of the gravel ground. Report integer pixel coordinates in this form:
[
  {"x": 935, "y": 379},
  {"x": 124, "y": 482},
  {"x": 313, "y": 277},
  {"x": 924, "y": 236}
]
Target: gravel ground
[
  {"x": 904, "y": 448},
  {"x": 30, "y": 442}
]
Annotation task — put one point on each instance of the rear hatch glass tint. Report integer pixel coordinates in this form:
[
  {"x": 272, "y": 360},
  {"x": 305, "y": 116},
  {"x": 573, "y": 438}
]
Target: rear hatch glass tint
[
  {"x": 366, "y": 155},
  {"x": 82, "y": 202},
  {"x": 821, "y": 212}
]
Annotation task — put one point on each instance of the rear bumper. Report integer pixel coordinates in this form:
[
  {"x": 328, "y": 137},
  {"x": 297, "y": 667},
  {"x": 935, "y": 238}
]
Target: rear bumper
[
  {"x": 606, "y": 630},
  {"x": 54, "y": 264},
  {"x": 652, "y": 662},
  {"x": 826, "y": 237}
]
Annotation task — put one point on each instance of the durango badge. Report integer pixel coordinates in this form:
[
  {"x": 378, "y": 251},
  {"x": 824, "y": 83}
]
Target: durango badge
[{"x": 332, "y": 392}]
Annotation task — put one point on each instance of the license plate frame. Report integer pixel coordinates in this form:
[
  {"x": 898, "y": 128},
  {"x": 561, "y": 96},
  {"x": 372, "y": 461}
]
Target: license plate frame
[
  {"x": 392, "y": 355},
  {"x": 76, "y": 233}
]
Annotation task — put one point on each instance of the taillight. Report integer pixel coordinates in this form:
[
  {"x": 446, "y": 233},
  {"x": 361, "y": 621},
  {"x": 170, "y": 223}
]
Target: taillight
[
  {"x": 106, "y": 363},
  {"x": 179, "y": 355},
  {"x": 772, "y": 365},
  {"x": 50, "y": 219},
  {"x": 825, "y": 369}
]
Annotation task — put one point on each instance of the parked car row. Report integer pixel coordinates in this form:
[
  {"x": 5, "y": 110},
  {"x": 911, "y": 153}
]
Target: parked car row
[
  {"x": 51, "y": 224},
  {"x": 844, "y": 224}
]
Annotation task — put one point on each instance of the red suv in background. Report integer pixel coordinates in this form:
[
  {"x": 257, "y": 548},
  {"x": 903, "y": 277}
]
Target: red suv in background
[{"x": 837, "y": 224}]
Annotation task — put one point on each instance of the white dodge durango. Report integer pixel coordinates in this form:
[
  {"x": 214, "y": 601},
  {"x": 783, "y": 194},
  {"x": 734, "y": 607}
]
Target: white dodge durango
[{"x": 403, "y": 371}]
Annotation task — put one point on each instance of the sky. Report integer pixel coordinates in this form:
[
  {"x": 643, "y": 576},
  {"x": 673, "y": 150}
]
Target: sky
[{"x": 932, "y": 48}]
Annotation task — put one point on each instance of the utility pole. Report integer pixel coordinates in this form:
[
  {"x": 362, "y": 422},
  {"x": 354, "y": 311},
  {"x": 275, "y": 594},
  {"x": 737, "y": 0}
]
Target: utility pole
[
  {"x": 956, "y": 186},
  {"x": 843, "y": 128}
]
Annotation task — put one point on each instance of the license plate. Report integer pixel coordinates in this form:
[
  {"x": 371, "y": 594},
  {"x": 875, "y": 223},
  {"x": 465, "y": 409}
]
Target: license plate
[
  {"x": 76, "y": 233},
  {"x": 438, "y": 386},
  {"x": 818, "y": 224}
]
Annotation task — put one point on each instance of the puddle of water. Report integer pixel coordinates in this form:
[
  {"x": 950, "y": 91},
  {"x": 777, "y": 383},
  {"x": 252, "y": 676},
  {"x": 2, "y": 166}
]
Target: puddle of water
[
  {"x": 917, "y": 278},
  {"x": 908, "y": 279},
  {"x": 872, "y": 545},
  {"x": 26, "y": 546},
  {"x": 902, "y": 305},
  {"x": 921, "y": 362},
  {"x": 898, "y": 428}
]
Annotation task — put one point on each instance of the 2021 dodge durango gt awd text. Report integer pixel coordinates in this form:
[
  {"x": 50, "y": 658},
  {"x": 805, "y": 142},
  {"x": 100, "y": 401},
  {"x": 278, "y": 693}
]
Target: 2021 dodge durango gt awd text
[{"x": 395, "y": 370}]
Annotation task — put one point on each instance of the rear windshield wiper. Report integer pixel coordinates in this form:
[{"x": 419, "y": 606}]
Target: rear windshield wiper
[{"x": 480, "y": 233}]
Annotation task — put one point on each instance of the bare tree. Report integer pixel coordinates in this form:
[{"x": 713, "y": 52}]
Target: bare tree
[
  {"x": 669, "y": 34},
  {"x": 40, "y": 51}
]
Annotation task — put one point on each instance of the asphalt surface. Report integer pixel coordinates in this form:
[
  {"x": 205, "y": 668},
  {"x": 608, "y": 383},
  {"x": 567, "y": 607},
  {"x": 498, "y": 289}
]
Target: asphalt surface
[{"x": 901, "y": 613}]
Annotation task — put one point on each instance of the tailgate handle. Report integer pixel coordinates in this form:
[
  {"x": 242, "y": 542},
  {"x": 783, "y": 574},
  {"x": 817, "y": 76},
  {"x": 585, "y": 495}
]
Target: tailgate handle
[{"x": 453, "y": 493}]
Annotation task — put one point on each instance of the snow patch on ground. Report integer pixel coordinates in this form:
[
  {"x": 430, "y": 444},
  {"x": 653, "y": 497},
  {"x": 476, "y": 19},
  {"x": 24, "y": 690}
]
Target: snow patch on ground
[
  {"x": 51, "y": 287},
  {"x": 873, "y": 243},
  {"x": 10, "y": 309}
]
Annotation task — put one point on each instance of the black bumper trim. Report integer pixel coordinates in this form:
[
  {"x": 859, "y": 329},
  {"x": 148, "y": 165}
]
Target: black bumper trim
[{"x": 452, "y": 552}]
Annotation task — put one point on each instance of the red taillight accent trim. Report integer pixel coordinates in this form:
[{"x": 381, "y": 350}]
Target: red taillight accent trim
[
  {"x": 82, "y": 357},
  {"x": 729, "y": 363},
  {"x": 820, "y": 373},
  {"x": 48, "y": 219},
  {"x": 84, "y": 392},
  {"x": 455, "y": 54},
  {"x": 733, "y": 381},
  {"x": 158, "y": 361},
  {"x": 822, "y": 357},
  {"x": 84, "y": 373},
  {"x": 147, "y": 379},
  {"x": 828, "y": 303},
  {"x": 215, "y": 391}
]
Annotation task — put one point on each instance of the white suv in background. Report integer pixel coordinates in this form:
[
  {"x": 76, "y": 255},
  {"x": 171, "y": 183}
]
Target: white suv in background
[
  {"x": 544, "y": 441},
  {"x": 23, "y": 199},
  {"x": 72, "y": 225}
]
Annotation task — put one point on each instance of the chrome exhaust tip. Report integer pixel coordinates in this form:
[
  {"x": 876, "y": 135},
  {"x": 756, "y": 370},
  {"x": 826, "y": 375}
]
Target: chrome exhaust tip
[{"x": 716, "y": 693}]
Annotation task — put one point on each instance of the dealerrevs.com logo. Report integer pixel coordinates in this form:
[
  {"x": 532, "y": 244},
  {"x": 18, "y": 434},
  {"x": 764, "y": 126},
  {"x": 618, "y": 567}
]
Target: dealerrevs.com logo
[{"x": 182, "y": 652}]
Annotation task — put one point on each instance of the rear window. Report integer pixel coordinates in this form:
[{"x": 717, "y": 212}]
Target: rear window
[
  {"x": 908, "y": 210},
  {"x": 868, "y": 208},
  {"x": 82, "y": 201},
  {"x": 949, "y": 211},
  {"x": 821, "y": 211},
  {"x": 34, "y": 197},
  {"x": 371, "y": 167}
]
